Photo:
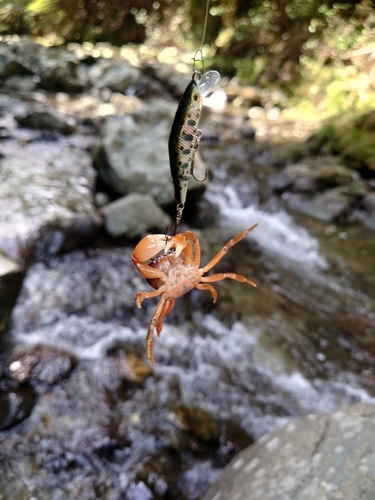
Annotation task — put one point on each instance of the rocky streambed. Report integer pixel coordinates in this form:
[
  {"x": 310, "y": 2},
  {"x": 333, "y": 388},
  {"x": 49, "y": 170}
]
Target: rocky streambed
[{"x": 84, "y": 174}]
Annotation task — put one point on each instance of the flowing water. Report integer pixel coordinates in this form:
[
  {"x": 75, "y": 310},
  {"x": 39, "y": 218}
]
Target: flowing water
[{"x": 301, "y": 342}]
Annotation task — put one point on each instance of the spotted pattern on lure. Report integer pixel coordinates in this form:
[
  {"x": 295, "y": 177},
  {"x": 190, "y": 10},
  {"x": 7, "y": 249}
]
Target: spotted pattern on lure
[{"x": 185, "y": 135}]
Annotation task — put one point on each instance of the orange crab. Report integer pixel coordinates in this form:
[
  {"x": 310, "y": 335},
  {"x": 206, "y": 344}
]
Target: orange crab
[{"x": 173, "y": 270}]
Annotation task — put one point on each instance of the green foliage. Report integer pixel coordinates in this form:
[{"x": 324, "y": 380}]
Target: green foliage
[
  {"x": 39, "y": 6},
  {"x": 82, "y": 20},
  {"x": 249, "y": 70},
  {"x": 261, "y": 41},
  {"x": 350, "y": 136}
]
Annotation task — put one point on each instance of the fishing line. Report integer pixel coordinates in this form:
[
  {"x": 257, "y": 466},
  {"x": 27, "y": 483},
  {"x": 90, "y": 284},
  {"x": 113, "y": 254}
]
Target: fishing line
[{"x": 200, "y": 49}]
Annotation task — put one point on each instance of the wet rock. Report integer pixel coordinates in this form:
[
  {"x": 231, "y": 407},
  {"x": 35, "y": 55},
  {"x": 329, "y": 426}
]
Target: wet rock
[
  {"x": 63, "y": 235},
  {"x": 58, "y": 69},
  {"x": 100, "y": 285},
  {"x": 198, "y": 422},
  {"x": 247, "y": 131},
  {"x": 115, "y": 75},
  {"x": 49, "y": 119},
  {"x": 15, "y": 406},
  {"x": 138, "y": 490},
  {"x": 42, "y": 364},
  {"x": 321, "y": 188},
  {"x": 157, "y": 474},
  {"x": 326, "y": 456},
  {"x": 134, "y": 214},
  {"x": 11, "y": 277},
  {"x": 330, "y": 206},
  {"x": 335, "y": 175},
  {"x": 123, "y": 370},
  {"x": 174, "y": 81},
  {"x": 10, "y": 64},
  {"x": 299, "y": 177},
  {"x": 194, "y": 482},
  {"x": 20, "y": 83},
  {"x": 133, "y": 157},
  {"x": 101, "y": 199},
  {"x": 313, "y": 175},
  {"x": 52, "y": 67},
  {"x": 46, "y": 201},
  {"x": 138, "y": 371},
  {"x": 233, "y": 439},
  {"x": 369, "y": 204}
]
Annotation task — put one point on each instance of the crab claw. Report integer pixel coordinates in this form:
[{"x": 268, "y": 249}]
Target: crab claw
[
  {"x": 149, "y": 246},
  {"x": 178, "y": 242}
]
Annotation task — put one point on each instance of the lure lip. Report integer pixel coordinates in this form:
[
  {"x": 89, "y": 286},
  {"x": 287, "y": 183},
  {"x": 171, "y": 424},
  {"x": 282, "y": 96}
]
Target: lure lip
[{"x": 208, "y": 82}]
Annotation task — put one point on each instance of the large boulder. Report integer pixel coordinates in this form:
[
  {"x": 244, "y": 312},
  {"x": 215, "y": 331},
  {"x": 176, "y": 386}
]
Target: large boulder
[
  {"x": 320, "y": 187},
  {"x": 52, "y": 67},
  {"x": 133, "y": 215},
  {"x": 133, "y": 157},
  {"x": 46, "y": 199},
  {"x": 48, "y": 118},
  {"x": 11, "y": 64},
  {"x": 314, "y": 458},
  {"x": 113, "y": 74}
]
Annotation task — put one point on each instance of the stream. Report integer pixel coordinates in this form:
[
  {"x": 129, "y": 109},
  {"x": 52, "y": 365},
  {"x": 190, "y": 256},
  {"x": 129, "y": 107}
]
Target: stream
[{"x": 93, "y": 419}]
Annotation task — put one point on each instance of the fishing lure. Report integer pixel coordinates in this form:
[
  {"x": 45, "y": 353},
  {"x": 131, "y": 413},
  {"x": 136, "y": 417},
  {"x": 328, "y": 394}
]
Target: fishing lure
[{"x": 185, "y": 136}]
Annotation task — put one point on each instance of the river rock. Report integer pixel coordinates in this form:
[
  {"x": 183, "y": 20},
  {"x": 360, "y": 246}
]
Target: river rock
[
  {"x": 20, "y": 83},
  {"x": 58, "y": 69},
  {"x": 134, "y": 214},
  {"x": 41, "y": 364},
  {"x": 49, "y": 119},
  {"x": 313, "y": 175},
  {"x": 369, "y": 204},
  {"x": 52, "y": 67},
  {"x": 115, "y": 75},
  {"x": 314, "y": 458},
  {"x": 16, "y": 404},
  {"x": 330, "y": 206},
  {"x": 46, "y": 201},
  {"x": 10, "y": 63},
  {"x": 11, "y": 277},
  {"x": 175, "y": 82},
  {"x": 198, "y": 422},
  {"x": 133, "y": 157},
  {"x": 320, "y": 187}
]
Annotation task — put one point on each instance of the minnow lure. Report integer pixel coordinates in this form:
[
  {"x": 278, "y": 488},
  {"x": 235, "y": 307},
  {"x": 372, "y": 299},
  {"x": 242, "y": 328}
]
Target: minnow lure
[{"x": 185, "y": 136}]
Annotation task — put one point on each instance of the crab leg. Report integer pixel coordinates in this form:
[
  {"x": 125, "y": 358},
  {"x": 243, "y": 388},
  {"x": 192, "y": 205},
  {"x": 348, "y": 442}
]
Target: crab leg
[
  {"x": 232, "y": 276},
  {"x": 150, "y": 331},
  {"x": 202, "y": 286},
  {"x": 141, "y": 296},
  {"x": 166, "y": 310},
  {"x": 225, "y": 249}
]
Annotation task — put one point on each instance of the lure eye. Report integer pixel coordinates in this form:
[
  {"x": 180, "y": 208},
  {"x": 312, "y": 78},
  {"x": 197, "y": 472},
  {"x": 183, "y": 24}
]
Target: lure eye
[{"x": 196, "y": 97}]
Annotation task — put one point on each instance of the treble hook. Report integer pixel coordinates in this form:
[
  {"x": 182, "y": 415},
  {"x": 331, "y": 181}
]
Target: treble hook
[{"x": 197, "y": 142}]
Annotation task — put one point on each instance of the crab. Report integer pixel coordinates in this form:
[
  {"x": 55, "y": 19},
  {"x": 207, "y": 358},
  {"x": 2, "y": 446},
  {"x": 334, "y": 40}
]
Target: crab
[{"x": 170, "y": 264}]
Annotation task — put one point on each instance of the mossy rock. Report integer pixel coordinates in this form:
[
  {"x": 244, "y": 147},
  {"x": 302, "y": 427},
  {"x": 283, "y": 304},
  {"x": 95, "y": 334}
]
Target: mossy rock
[
  {"x": 335, "y": 175},
  {"x": 352, "y": 137}
]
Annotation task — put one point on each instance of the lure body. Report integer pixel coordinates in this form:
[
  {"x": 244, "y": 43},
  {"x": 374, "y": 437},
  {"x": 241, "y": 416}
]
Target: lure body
[
  {"x": 184, "y": 139},
  {"x": 185, "y": 136}
]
